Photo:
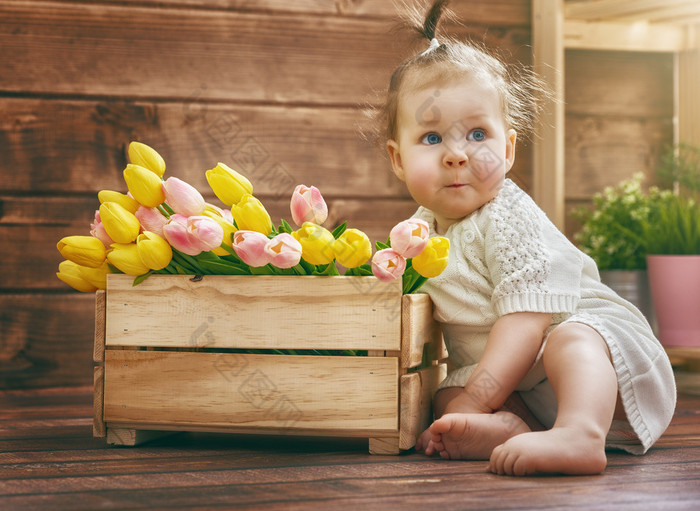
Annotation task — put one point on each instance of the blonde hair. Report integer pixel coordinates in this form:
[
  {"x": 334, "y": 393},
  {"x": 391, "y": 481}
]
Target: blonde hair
[{"x": 452, "y": 60}]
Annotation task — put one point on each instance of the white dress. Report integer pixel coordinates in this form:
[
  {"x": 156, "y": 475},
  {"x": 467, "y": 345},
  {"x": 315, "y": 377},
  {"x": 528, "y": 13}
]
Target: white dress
[{"x": 508, "y": 257}]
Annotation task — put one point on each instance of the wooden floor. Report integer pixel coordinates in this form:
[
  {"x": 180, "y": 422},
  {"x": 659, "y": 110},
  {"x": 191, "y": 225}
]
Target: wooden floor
[{"x": 49, "y": 460}]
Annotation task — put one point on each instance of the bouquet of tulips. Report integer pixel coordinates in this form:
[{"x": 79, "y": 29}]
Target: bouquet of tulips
[{"x": 164, "y": 226}]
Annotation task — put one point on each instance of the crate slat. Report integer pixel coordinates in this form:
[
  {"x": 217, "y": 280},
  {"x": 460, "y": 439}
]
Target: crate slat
[
  {"x": 419, "y": 331},
  {"x": 417, "y": 402},
  {"x": 98, "y": 424},
  {"x": 261, "y": 312},
  {"x": 251, "y": 391},
  {"x": 98, "y": 350}
]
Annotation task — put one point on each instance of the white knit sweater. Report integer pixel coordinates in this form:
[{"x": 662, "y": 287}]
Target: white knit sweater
[{"x": 508, "y": 257}]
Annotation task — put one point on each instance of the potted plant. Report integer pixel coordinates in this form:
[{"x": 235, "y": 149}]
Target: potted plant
[
  {"x": 612, "y": 234},
  {"x": 671, "y": 238}
]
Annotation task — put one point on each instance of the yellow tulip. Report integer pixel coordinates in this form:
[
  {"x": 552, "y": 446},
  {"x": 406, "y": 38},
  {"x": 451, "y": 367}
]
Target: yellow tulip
[
  {"x": 153, "y": 250},
  {"x": 250, "y": 215},
  {"x": 144, "y": 185},
  {"x": 433, "y": 259},
  {"x": 120, "y": 225},
  {"x": 228, "y": 185},
  {"x": 147, "y": 157},
  {"x": 82, "y": 250},
  {"x": 125, "y": 201},
  {"x": 96, "y": 276},
  {"x": 352, "y": 248},
  {"x": 125, "y": 256},
  {"x": 69, "y": 272},
  {"x": 316, "y": 243}
]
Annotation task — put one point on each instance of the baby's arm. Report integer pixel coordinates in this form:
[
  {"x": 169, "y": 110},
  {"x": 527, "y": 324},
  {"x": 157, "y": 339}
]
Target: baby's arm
[{"x": 510, "y": 351}]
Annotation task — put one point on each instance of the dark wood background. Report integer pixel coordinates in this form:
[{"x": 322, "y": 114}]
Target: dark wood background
[{"x": 276, "y": 89}]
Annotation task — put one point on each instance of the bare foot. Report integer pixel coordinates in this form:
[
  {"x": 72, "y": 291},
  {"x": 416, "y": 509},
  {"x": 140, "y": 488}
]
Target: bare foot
[
  {"x": 560, "y": 450},
  {"x": 472, "y": 436},
  {"x": 425, "y": 443}
]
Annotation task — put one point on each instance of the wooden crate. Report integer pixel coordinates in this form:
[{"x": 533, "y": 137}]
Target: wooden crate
[{"x": 169, "y": 356}]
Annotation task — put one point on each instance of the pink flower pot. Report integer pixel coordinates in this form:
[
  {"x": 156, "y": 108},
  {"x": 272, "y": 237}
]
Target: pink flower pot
[{"x": 675, "y": 292}]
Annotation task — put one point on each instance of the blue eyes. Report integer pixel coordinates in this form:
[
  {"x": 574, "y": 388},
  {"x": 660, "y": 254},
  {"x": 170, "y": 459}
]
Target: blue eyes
[
  {"x": 477, "y": 135},
  {"x": 431, "y": 139}
]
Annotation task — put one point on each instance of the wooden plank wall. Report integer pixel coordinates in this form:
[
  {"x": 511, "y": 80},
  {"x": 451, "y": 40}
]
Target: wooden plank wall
[
  {"x": 274, "y": 88},
  {"x": 619, "y": 119}
]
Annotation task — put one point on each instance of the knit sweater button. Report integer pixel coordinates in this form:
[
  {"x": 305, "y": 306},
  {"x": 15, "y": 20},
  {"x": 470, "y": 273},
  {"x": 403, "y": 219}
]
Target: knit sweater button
[{"x": 468, "y": 236}]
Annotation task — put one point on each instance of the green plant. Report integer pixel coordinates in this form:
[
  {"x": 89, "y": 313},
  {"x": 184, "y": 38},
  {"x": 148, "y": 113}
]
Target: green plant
[
  {"x": 625, "y": 223},
  {"x": 676, "y": 226},
  {"x": 612, "y": 230},
  {"x": 679, "y": 169},
  {"x": 676, "y": 214}
]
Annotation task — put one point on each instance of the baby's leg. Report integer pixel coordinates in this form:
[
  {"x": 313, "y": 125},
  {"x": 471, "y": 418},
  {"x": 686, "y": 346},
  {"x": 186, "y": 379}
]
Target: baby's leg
[{"x": 577, "y": 363}]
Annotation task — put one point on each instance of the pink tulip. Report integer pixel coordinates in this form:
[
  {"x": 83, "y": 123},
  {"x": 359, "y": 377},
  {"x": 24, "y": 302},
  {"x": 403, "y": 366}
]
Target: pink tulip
[
  {"x": 388, "y": 265},
  {"x": 98, "y": 231},
  {"x": 307, "y": 205},
  {"x": 193, "y": 235},
  {"x": 207, "y": 230},
  {"x": 410, "y": 237},
  {"x": 151, "y": 220},
  {"x": 283, "y": 250},
  {"x": 250, "y": 247},
  {"x": 183, "y": 197}
]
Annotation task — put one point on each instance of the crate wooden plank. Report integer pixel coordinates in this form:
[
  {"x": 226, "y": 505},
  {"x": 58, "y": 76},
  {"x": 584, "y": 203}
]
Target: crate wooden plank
[
  {"x": 273, "y": 392},
  {"x": 98, "y": 351},
  {"x": 384, "y": 445},
  {"x": 418, "y": 329},
  {"x": 98, "y": 423},
  {"x": 416, "y": 402},
  {"x": 131, "y": 437},
  {"x": 254, "y": 312}
]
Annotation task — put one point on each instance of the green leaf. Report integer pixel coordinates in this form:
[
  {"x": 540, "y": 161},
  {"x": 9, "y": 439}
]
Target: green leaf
[
  {"x": 338, "y": 231},
  {"x": 381, "y": 246},
  {"x": 262, "y": 270},
  {"x": 222, "y": 268},
  {"x": 227, "y": 248},
  {"x": 141, "y": 278},
  {"x": 299, "y": 269},
  {"x": 285, "y": 227},
  {"x": 309, "y": 268},
  {"x": 184, "y": 263}
]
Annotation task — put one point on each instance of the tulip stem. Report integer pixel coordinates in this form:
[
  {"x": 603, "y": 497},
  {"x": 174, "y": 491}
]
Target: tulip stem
[
  {"x": 168, "y": 209},
  {"x": 170, "y": 269},
  {"x": 162, "y": 209},
  {"x": 228, "y": 249},
  {"x": 187, "y": 263}
]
